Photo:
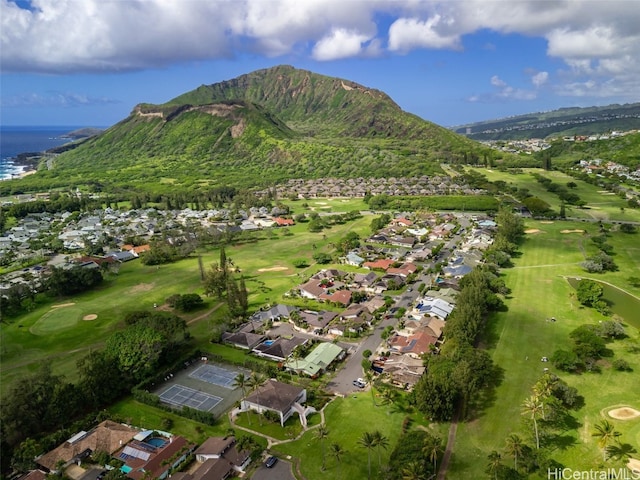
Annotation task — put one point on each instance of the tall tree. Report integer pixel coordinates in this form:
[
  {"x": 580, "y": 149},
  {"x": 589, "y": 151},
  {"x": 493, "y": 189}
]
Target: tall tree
[
  {"x": 322, "y": 432},
  {"x": 368, "y": 441},
  {"x": 495, "y": 462},
  {"x": 337, "y": 452},
  {"x": 533, "y": 407},
  {"x": 382, "y": 442},
  {"x": 606, "y": 434},
  {"x": 515, "y": 447},
  {"x": 369, "y": 377},
  {"x": 242, "y": 382},
  {"x": 432, "y": 449},
  {"x": 254, "y": 383}
]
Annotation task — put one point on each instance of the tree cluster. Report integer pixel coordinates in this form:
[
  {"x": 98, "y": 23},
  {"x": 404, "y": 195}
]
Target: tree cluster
[{"x": 589, "y": 344}]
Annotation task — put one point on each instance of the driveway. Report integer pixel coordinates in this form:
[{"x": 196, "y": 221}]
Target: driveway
[
  {"x": 280, "y": 471},
  {"x": 342, "y": 382}
]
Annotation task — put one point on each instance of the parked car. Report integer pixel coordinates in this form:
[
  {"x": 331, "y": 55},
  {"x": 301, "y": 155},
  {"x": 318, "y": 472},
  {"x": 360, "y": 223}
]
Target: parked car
[
  {"x": 359, "y": 384},
  {"x": 271, "y": 461}
]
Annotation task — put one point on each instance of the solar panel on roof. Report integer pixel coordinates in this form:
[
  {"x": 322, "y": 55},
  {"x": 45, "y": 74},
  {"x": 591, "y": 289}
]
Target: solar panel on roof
[{"x": 134, "y": 452}]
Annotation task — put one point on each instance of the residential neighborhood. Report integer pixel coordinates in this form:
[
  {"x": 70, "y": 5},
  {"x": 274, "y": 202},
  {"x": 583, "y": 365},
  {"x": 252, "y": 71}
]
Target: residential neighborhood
[{"x": 406, "y": 279}]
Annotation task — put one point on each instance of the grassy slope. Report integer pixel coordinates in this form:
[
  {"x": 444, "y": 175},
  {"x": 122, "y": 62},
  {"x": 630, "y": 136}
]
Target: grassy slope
[
  {"x": 539, "y": 292},
  {"x": 601, "y": 205}
]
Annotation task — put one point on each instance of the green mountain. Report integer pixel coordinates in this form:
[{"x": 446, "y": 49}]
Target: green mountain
[{"x": 257, "y": 129}]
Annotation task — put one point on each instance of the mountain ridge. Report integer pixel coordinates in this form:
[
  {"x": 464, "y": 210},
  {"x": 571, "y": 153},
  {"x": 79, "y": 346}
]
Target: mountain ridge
[
  {"x": 552, "y": 123},
  {"x": 263, "y": 127}
]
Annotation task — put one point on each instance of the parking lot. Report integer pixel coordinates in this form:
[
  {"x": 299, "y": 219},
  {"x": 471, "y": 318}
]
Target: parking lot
[{"x": 280, "y": 471}]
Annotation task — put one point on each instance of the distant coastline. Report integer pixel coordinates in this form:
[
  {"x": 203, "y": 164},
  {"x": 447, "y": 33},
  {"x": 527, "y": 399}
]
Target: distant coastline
[{"x": 22, "y": 147}]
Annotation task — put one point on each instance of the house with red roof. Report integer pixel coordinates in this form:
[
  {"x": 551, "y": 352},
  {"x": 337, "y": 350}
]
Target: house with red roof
[
  {"x": 382, "y": 264},
  {"x": 283, "y": 222},
  {"x": 414, "y": 345}
]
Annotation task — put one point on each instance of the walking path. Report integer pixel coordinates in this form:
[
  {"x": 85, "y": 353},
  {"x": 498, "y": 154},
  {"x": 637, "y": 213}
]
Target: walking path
[
  {"x": 271, "y": 442},
  {"x": 451, "y": 440}
]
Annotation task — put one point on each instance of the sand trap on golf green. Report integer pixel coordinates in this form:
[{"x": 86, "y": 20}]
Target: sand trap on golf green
[
  {"x": 634, "y": 465},
  {"x": 624, "y": 413},
  {"x": 142, "y": 287},
  {"x": 547, "y": 222},
  {"x": 56, "y": 319},
  {"x": 272, "y": 269},
  {"x": 532, "y": 230},
  {"x": 91, "y": 316},
  {"x": 571, "y": 231}
]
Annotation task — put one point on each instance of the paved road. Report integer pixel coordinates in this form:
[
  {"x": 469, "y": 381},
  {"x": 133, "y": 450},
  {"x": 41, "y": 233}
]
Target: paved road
[
  {"x": 280, "y": 471},
  {"x": 342, "y": 382}
]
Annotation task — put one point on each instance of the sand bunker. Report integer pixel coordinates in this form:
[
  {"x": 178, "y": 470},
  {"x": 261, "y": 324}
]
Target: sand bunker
[
  {"x": 91, "y": 316},
  {"x": 571, "y": 231},
  {"x": 624, "y": 413},
  {"x": 547, "y": 222},
  {"x": 634, "y": 465},
  {"x": 532, "y": 230},
  {"x": 272, "y": 269},
  {"x": 62, "y": 305},
  {"x": 142, "y": 287}
]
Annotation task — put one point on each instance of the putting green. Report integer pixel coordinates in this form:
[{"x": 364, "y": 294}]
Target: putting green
[{"x": 57, "y": 319}]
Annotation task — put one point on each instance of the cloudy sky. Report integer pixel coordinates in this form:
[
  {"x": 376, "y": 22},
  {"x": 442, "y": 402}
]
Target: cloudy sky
[{"x": 88, "y": 62}]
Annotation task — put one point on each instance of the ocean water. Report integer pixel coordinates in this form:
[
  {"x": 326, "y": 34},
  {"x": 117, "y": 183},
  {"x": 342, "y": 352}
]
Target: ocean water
[{"x": 15, "y": 140}]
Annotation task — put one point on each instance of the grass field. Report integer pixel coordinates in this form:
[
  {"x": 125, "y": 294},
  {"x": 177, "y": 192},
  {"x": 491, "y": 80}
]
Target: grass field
[
  {"x": 518, "y": 338},
  {"x": 601, "y": 205},
  {"x": 345, "y": 423}
]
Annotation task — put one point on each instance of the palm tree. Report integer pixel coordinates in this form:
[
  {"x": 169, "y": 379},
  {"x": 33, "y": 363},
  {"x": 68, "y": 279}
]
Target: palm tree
[
  {"x": 515, "y": 447},
  {"x": 495, "y": 462},
  {"x": 413, "y": 471},
  {"x": 254, "y": 382},
  {"x": 337, "y": 451},
  {"x": 369, "y": 376},
  {"x": 381, "y": 442},
  {"x": 621, "y": 451},
  {"x": 243, "y": 382},
  {"x": 296, "y": 355},
  {"x": 606, "y": 434},
  {"x": 543, "y": 388},
  {"x": 368, "y": 441},
  {"x": 321, "y": 433},
  {"x": 532, "y": 406},
  {"x": 433, "y": 448}
]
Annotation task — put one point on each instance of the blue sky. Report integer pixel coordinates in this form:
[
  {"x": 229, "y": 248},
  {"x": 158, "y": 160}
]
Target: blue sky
[{"x": 89, "y": 62}]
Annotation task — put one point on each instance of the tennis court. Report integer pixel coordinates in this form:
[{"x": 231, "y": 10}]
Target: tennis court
[
  {"x": 216, "y": 375},
  {"x": 181, "y": 395}
]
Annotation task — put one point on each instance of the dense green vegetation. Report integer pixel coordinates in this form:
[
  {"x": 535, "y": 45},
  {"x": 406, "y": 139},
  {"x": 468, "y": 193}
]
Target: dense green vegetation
[
  {"x": 253, "y": 131},
  {"x": 623, "y": 150}
]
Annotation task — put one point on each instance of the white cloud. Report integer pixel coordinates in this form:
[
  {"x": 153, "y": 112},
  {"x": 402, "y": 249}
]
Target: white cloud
[
  {"x": 406, "y": 34},
  {"x": 339, "y": 43},
  {"x": 497, "y": 82},
  {"x": 596, "y": 40},
  {"x": 540, "y": 79}
]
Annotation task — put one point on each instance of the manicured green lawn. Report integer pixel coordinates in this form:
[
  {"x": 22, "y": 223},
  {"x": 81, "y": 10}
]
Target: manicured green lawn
[
  {"x": 518, "y": 338},
  {"x": 602, "y": 205},
  {"x": 347, "y": 419}
]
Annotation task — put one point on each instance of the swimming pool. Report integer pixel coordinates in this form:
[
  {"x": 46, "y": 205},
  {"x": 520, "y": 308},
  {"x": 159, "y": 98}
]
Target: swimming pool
[{"x": 156, "y": 441}]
